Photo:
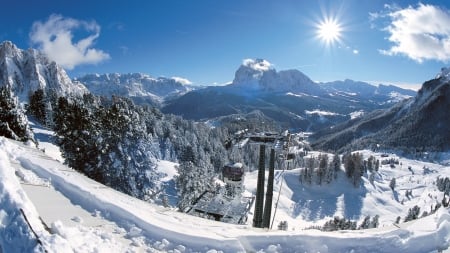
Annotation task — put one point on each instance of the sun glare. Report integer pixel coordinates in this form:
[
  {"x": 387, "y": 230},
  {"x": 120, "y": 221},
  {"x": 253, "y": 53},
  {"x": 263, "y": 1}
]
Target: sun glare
[{"x": 329, "y": 31}]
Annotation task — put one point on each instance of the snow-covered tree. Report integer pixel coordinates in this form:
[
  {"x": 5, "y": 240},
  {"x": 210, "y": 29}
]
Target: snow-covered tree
[
  {"x": 365, "y": 224},
  {"x": 336, "y": 164},
  {"x": 192, "y": 181},
  {"x": 413, "y": 213},
  {"x": 37, "y": 105},
  {"x": 375, "y": 221},
  {"x": 338, "y": 223},
  {"x": 392, "y": 183},
  {"x": 13, "y": 122},
  {"x": 354, "y": 167}
]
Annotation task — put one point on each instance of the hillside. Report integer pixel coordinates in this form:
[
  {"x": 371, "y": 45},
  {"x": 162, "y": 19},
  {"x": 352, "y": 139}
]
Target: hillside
[
  {"x": 418, "y": 124},
  {"x": 133, "y": 225}
]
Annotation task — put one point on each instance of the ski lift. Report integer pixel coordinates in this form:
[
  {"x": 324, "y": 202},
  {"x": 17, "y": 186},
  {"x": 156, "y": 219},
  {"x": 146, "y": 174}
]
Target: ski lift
[{"x": 233, "y": 172}]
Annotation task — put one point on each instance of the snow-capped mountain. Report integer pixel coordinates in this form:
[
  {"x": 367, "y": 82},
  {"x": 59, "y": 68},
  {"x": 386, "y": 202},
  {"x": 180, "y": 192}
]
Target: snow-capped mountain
[
  {"x": 260, "y": 75},
  {"x": 417, "y": 123},
  {"x": 139, "y": 87},
  {"x": 381, "y": 93},
  {"x": 288, "y": 97},
  {"x": 25, "y": 71}
]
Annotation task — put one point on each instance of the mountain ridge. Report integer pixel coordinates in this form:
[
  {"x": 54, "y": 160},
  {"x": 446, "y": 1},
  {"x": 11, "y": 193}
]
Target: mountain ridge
[
  {"x": 26, "y": 71},
  {"x": 142, "y": 88},
  {"x": 419, "y": 123},
  {"x": 287, "y": 96}
]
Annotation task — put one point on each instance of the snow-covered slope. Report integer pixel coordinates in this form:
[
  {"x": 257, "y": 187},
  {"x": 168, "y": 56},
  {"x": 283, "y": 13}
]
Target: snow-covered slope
[
  {"x": 126, "y": 224},
  {"x": 25, "y": 71},
  {"x": 135, "y": 85},
  {"x": 420, "y": 123}
]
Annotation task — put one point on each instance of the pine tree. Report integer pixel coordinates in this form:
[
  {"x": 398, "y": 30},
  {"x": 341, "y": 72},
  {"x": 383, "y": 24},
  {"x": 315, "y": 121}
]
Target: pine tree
[
  {"x": 375, "y": 221},
  {"x": 76, "y": 130},
  {"x": 191, "y": 182},
  {"x": 321, "y": 169},
  {"x": 37, "y": 106},
  {"x": 365, "y": 224},
  {"x": 336, "y": 165},
  {"x": 413, "y": 213},
  {"x": 13, "y": 122},
  {"x": 349, "y": 164}
]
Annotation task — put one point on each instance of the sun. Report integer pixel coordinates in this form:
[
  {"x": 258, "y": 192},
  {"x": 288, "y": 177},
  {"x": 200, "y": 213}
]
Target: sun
[{"x": 329, "y": 31}]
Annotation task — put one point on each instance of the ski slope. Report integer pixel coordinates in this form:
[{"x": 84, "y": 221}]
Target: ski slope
[{"x": 85, "y": 216}]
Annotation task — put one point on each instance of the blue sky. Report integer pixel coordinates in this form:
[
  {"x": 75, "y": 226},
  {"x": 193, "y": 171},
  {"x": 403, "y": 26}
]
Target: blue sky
[{"x": 400, "y": 42}]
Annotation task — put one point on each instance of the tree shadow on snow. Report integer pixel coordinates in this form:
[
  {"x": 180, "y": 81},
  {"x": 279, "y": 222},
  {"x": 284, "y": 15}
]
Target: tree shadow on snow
[{"x": 313, "y": 202}]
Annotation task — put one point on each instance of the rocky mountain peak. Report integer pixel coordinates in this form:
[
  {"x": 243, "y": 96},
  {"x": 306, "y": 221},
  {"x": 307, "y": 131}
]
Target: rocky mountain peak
[
  {"x": 251, "y": 71},
  {"x": 259, "y": 74},
  {"x": 25, "y": 71},
  {"x": 433, "y": 86}
]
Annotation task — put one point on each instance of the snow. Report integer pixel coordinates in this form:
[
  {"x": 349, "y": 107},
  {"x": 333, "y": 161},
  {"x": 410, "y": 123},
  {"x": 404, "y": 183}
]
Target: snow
[
  {"x": 135, "y": 85},
  {"x": 397, "y": 97},
  {"x": 301, "y": 94},
  {"x": 356, "y": 114},
  {"x": 168, "y": 168},
  {"x": 45, "y": 141},
  {"x": 85, "y": 216},
  {"x": 445, "y": 74},
  {"x": 321, "y": 113}
]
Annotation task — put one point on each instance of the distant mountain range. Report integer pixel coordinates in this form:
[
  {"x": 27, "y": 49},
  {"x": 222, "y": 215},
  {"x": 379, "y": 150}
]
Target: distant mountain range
[
  {"x": 288, "y": 97},
  {"x": 342, "y": 113},
  {"x": 141, "y": 88},
  {"x": 415, "y": 125},
  {"x": 26, "y": 71}
]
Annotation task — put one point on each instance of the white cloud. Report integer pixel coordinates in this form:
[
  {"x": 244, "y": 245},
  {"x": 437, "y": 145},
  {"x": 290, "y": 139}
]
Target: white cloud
[
  {"x": 257, "y": 64},
  {"x": 55, "y": 38},
  {"x": 420, "y": 33},
  {"x": 181, "y": 80},
  {"x": 355, "y": 51}
]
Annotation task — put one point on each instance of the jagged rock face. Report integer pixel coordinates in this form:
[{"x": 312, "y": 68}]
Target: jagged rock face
[
  {"x": 260, "y": 75},
  {"x": 25, "y": 71},
  {"x": 134, "y": 85}
]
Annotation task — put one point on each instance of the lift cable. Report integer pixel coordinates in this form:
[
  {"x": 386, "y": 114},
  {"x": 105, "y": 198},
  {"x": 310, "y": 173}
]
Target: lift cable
[{"x": 280, "y": 177}]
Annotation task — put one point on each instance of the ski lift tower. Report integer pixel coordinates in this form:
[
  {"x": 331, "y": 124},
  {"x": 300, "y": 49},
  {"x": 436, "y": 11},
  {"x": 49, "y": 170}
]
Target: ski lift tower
[{"x": 262, "y": 213}]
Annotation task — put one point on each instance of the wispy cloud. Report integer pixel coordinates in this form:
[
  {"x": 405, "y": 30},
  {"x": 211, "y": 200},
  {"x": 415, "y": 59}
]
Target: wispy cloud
[
  {"x": 181, "y": 80},
  {"x": 420, "y": 33},
  {"x": 55, "y": 38}
]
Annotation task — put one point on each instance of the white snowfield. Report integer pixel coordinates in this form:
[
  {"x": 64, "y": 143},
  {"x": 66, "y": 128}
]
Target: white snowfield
[{"x": 85, "y": 216}]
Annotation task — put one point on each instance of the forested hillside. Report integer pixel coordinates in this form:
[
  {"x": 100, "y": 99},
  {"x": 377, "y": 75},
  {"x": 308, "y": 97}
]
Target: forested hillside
[{"x": 118, "y": 143}]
